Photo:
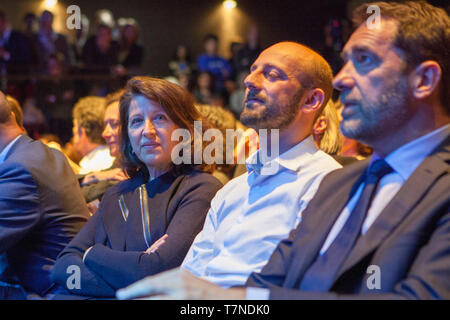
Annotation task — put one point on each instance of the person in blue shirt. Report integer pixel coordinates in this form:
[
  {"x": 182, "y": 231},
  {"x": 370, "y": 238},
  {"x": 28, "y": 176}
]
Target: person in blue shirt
[{"x": 211, "y": 62}]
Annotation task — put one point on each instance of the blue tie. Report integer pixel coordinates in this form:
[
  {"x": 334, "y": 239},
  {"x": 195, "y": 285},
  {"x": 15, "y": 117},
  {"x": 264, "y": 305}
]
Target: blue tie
[{"x": 322, "y": 273}]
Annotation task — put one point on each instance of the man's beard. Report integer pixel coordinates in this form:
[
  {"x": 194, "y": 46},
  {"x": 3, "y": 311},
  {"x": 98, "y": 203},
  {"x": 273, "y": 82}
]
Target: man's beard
[
  {"x": 384, "y": 115},
  {"x": 272, "y": 116}
]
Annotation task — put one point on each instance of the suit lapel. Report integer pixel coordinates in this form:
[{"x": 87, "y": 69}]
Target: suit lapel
[
  {"x": 413, "y": 190},
  {"x": 318, "y": 220}
]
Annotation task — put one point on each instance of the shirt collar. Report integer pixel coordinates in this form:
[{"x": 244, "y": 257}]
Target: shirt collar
[
  {"x": 5, "y": 151},
  {"x": 292, "y": 159},
  {"x": 408, "y": 157}
]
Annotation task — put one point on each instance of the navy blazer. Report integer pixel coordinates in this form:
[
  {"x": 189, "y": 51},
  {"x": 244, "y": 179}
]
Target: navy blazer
[
  {"x": 132, "y": 215},
  {"x": 409, "y": 241},
  {"x": 41, "y": 210},
  {"x": 20, "y": 51}
]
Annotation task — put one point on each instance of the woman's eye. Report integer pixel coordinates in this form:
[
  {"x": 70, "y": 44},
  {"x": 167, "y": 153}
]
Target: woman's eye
[
  {"x": 135, "y": 122},
  {"x": 159, "y": 117}
]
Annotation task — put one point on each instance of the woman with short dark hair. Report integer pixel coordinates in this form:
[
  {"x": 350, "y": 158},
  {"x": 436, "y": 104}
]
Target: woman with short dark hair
[{"x": 161, "y": 206}]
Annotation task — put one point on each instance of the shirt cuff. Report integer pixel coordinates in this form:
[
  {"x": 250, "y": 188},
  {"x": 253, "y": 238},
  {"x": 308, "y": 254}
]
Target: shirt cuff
[{"x": 257, "y": 293}]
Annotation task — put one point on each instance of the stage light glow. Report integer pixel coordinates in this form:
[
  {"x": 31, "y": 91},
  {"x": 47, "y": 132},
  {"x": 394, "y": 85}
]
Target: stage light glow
[
  {"x": 229, "y": 4},
  {"x": 50, "y": 3}
]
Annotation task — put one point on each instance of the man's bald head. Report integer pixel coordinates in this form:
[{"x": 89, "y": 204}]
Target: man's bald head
[
  {"x": 5, "y": 109},
  {"x": 312, "y": 70}
]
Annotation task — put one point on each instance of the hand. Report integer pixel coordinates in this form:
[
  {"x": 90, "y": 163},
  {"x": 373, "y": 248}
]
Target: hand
[
  {"x": 178, "y": 284},
  {"x": 158, "y": 243},
  {"x": 108, "y": 175},
  {"x": 93, "y": 206}
]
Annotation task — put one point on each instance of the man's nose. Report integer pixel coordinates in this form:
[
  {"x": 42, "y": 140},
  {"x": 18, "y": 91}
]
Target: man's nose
[
  {"x": 252, "y": 81},
  {"x": 344, "y": 79}
]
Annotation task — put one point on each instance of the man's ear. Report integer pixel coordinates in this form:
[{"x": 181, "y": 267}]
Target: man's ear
[
  {"x": 426, "y": 78},
  {"x": 81, "y": 131},
  {"x": 319, "y": 126},
  {"x": 312, "y": 100}
]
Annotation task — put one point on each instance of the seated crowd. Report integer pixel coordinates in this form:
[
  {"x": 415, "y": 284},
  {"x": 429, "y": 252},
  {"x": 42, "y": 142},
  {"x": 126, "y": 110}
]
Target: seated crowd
[{"x": 288, "y": 202}]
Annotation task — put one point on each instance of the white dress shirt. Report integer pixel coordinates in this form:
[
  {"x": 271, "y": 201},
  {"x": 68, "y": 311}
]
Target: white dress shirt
[
  {"x": 6, "y": 149},
  {"x": 252, "y": 213},
  {"x": 403, "y": 161},
  {"x": 96, "y": 160}
]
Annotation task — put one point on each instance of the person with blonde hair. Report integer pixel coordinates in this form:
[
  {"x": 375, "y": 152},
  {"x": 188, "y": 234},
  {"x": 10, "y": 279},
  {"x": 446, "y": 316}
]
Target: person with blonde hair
[{"x": 326, "y": 130}]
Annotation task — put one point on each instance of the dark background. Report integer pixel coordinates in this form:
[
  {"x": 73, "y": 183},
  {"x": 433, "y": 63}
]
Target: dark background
[{"x": 166, "y": 23}]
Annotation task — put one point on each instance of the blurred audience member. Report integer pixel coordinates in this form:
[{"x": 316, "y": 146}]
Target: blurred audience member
[
  {"x": 181, "y": 63},
  {"x": 131, "y": 53},
  {"x": 101, "y": 52},
  {"x": 81, "y": 36},
  {"x": 95, "y": 184},
  {"x": 48, "y": 42},
  {"x": 55, "y": 97},
  {"x": 336, "y": 33},
  {"x": 221, "y": 119},
  {"x": 30, "y": 28},
  {"x": 211, "y": 62},
  {"x": 236, "y": 102},
  {"x": 326, "y": 131},
  {"x": 249, "y": 52},
  {"x": 88, "y": 115},
  {"x": 100, "y": 57},
  {"x": 204, "y": 91},
  {"x": 30, "y": 24},
  {"x": 186, "y": 81},
  {"x": 41, "y": 209},
  {"x": 15, "y": 53},
  {"x": 235, "y": 46},
  {"x": 33, "y": 119}
]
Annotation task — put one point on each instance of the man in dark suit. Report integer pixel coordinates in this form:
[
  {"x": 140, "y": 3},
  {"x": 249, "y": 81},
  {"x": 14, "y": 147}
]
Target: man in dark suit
[
  {"x": 378, "y": 229},
  {"x": 41, "y": 209},
  {"x": 47, "y": 42},
  {"x": 15, "y": 52}
]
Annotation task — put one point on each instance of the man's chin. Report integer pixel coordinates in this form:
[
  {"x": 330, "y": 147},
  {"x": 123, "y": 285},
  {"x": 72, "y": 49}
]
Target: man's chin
[{"x": 250, "y": 120}]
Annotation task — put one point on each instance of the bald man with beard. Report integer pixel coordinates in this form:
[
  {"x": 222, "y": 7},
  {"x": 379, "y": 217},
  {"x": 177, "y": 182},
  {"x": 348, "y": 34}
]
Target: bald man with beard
[
  {"x": 286, "y": 90},
  {"x": 41, "y": 209}
]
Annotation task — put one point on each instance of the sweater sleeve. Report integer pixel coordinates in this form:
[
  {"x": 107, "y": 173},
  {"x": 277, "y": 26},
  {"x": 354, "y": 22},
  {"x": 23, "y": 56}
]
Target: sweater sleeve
[
  {"x": 69, "y": 264},
  {"x": 186, "y": 223}
]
